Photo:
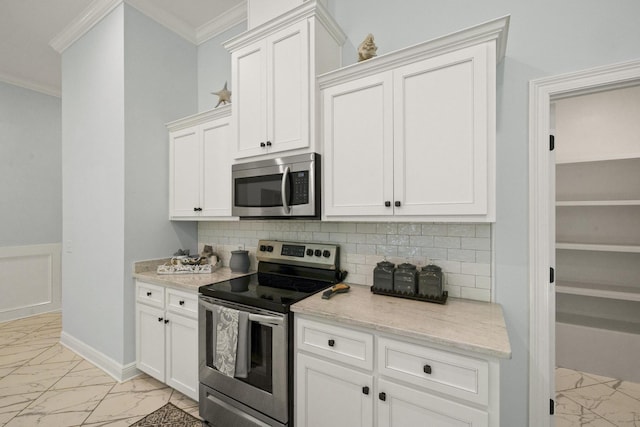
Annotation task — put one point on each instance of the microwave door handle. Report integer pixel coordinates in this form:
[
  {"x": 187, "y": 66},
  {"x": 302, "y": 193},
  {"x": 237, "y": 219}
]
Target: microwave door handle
[
  {"x": 283, "y": 190},
  {"x": 265, "y": 320}
]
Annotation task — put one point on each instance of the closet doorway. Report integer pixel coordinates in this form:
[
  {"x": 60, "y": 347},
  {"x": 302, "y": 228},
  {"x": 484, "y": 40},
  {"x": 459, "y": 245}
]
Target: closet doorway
[{"x": 586, "y": 267}]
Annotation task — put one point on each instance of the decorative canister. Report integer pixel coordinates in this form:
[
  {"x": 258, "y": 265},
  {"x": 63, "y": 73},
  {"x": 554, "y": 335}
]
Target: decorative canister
[
  {"x": 430, "y": 281},
  {"x": 239, "y": 262},
  {"x": 383, "y": 275},
  {"x": 404, "y": 278}
]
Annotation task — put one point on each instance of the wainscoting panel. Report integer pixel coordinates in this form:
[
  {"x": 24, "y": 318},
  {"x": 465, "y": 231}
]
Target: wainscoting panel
[{"x": 30, "y": 280}]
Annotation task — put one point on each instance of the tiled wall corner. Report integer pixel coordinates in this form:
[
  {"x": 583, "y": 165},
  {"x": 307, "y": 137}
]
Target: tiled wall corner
[{"x": 462, "y": 250}]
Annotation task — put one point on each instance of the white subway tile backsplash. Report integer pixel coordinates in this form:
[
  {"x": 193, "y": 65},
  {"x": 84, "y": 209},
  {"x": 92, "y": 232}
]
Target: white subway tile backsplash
[
  {"x": 463, "y": 251},
  {"x": 461, "y": 230},
  {"x": 329, "y": 227},
  {"x": 483, "y": 282},
  {"x": 376, "y": 239},
  {"x": 465, "y": 255},
  {"x": 483, "y": 230},
  {"x": 434, "y": 229},
  {"x": 338, "y": 237},
  {"x": 413, "y": 229},
  {"x": 398, "y": 239},
  {"x": 387, "y": 250},
  {"x": 421, "y": 241},
  {"x": 365, "y": 249},
  {"x": 319, "y": 236},
  {"x": 366, "y": 228},
  {"x": 356, "y": 238},
  {"x": 478, "y": 243},
  {"x": 483, "y": 256},
  {"x": 446, "y": 242},
  {"x": 354, "y": 258},
  {"x": 434, "y": 253},
  {"x": 387, "y": 228},
  {"x": 475, "y": 293},
  {"x": 347, "y": 227},
  {"x": 461, "y": 280}
]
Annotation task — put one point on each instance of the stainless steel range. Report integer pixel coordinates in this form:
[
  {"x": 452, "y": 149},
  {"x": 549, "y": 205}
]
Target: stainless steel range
[{"x": 246, "y": 334}]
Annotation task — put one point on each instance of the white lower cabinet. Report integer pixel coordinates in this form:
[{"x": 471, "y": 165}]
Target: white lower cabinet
[
  {"x": 401, "y": 406},
  {"x": 348, "y": 376},
  {"x": 167, "y": 336},
  {"x": 331, "y": 395}
]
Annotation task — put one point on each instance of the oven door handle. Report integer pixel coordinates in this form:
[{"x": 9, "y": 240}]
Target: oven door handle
[
  {"x": 266, "y": 320},
  {"x": 253, "y": 317},
  {"x": 283, "y": 190}
]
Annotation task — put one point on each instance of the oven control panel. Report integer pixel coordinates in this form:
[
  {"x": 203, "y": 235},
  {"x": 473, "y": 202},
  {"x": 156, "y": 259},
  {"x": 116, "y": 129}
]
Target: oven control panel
[{"x": 317, "y": 255}]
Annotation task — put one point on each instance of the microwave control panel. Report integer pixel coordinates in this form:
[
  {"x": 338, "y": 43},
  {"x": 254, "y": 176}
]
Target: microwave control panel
[{"x": 300, "y": 187}]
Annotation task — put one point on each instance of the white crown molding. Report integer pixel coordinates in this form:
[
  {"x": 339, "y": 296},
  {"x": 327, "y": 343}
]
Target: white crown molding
[
  {"x": 86, "y": 20},
  {"x": 229, "y": 19},
  {"x": 165, "y": 19},
  {"x": 27, "y": 84}
]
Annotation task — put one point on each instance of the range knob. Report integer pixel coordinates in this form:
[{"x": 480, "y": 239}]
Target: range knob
[
  {"x": 318, "y": 252},
  {"x": 309, "y": 252},
  {"x": 269, "y": 248},
  {"x": 263, "y": 248},
  {"x": 326, "y": 253}
]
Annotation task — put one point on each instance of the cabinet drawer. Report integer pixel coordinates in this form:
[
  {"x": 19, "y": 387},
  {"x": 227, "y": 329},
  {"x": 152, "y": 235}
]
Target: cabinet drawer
[
  {"x": 341, "y": 344},
  {"x": 459, "y": 376},
  {"x": 150, "y": 294},
  {"x": 182, "y": 303}
]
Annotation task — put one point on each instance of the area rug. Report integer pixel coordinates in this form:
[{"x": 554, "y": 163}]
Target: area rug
[{"x": 169, "y": 416}]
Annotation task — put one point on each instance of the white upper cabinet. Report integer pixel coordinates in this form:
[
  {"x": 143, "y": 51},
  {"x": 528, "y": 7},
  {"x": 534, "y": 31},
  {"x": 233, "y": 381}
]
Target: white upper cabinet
[
  {"x": 411, "y": 135},
  {"x": 273, "y": 73},
  {"x": 200, "y": 166}
]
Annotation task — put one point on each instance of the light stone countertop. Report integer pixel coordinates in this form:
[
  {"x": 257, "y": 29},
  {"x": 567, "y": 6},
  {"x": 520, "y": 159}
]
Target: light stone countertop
[
  {"x": 146, "y": 272},
  {"x": 463, "y": 324}
]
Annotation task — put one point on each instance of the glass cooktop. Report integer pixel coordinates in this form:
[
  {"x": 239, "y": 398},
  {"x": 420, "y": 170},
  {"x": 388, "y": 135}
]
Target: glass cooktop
[{"x": 269, "y": 292}]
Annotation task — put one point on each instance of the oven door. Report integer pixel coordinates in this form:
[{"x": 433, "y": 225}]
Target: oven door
[
  {"x": 265, "y": 387},
  {"x": 285, "y": 187}
]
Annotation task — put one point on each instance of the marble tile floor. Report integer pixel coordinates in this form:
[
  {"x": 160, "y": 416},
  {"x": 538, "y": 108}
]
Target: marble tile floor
[
  {"x": 44, "y": 383},
  {"x": 584, "y": 399}
]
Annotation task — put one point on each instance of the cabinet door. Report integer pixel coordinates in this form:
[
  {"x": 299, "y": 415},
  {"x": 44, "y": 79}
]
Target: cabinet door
[
  {"x": 150, "y": 340},
  {"x": 185, "y": 173},
  {"x": 216, "y": 176},
  {"x": 288, "y": 88},
  {"x": 329, "y": 395},
  {"x": 248, "y": 67},
  {"x": 182, "y": 355},
  {"x": 358, "y": 146},
  {"x": 441, "y": 152},
  {"x": 400, "y": 406}
]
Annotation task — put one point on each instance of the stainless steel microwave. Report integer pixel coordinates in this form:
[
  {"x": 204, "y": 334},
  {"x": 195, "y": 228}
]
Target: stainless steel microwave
[{"x": 285, "y": 187}]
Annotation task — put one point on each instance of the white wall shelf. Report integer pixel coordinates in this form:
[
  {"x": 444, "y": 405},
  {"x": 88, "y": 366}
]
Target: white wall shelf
[
  {"x": 597, "y": 247},
  {"x": 598, "y": 203},
  {"x": 626, "y": 293}
]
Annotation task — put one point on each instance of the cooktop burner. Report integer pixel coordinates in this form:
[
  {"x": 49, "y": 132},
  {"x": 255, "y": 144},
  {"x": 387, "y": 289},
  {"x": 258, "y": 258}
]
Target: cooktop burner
[{"x": 287, "y": 273}]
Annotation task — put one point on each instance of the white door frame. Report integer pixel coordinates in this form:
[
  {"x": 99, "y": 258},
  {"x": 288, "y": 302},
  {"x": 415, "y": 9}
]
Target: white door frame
[{"x": 542, "y": 220}]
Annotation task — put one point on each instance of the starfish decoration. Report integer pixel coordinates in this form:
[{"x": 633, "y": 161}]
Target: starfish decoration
[{"x": 224, "y": 95}]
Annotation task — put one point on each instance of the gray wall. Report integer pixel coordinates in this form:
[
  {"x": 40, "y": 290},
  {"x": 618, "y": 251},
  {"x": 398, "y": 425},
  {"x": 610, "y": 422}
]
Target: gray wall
[
  {"x": 30, "y": 167},
  {"x": 214, "y": 67},
  {"x": 122, "y": 81},
  {"x": 160, "y": 86}
]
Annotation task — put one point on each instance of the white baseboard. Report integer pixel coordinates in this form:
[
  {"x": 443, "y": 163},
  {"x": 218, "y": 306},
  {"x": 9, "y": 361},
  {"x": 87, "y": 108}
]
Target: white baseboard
[
  {"x": 116, "y": 370},
  {"x": 30, "y": 282}
]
